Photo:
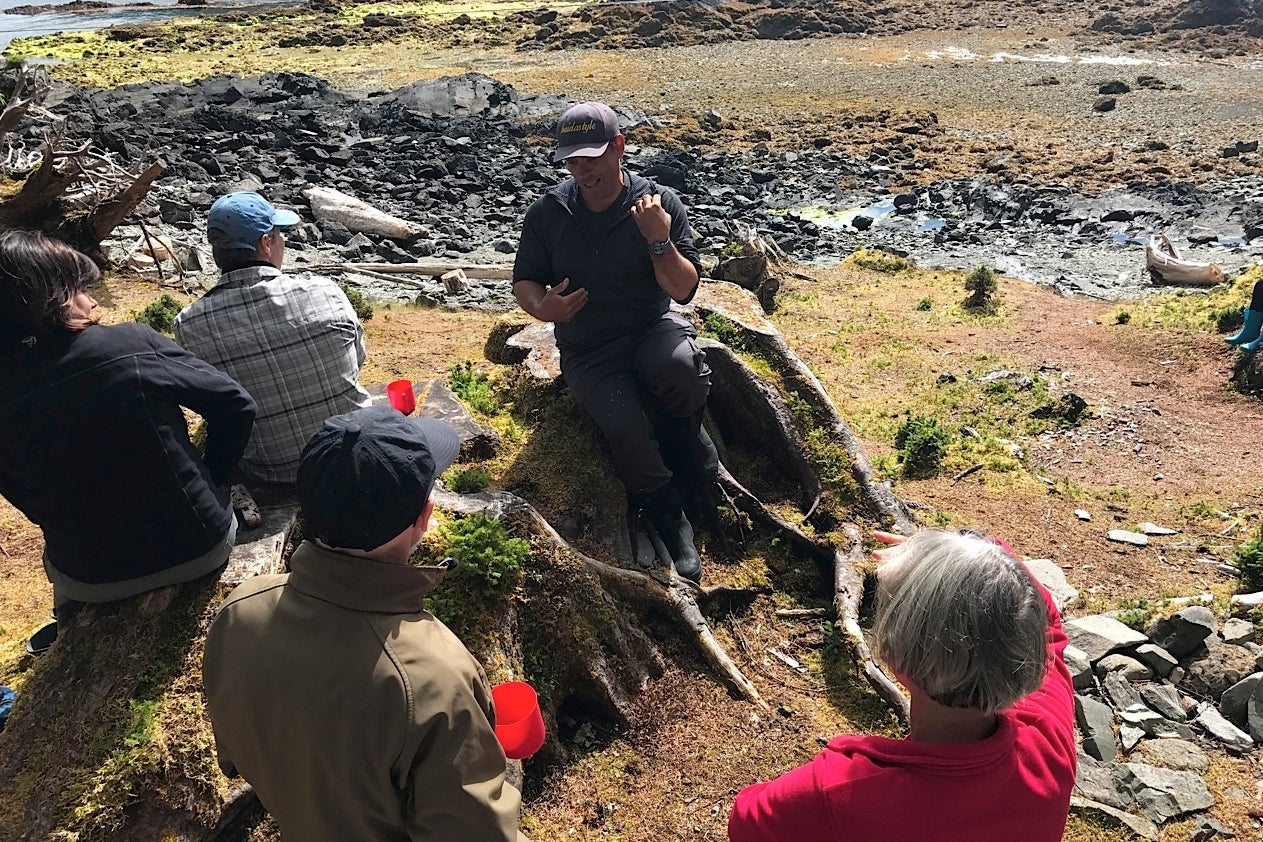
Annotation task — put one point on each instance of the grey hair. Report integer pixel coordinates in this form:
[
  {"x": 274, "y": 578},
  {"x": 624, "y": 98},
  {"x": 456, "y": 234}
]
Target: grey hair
[{"x": 962, "y": 620}]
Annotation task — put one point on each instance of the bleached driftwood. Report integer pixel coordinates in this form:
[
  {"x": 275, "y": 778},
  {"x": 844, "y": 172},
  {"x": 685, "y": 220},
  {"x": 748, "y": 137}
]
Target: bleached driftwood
[
  {"x": 359, "y": 217},
  {"x": 1166, "y": 266}
]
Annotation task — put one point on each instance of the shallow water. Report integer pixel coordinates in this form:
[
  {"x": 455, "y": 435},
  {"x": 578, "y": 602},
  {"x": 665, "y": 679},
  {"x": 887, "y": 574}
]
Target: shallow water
[{"x": 24, "y": 26}]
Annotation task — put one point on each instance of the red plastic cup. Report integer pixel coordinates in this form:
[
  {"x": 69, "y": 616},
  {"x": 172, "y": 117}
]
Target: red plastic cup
[
  {"x": 519, "y": 724},
  {"x": 401, "y": 396}
]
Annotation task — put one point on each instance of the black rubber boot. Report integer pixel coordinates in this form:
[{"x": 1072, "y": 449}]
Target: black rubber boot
[{"x": 666, "y": 513}]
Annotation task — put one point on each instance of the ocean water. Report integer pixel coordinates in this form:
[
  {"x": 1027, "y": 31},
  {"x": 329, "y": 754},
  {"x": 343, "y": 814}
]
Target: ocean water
[{"x": 22, "y": 26}]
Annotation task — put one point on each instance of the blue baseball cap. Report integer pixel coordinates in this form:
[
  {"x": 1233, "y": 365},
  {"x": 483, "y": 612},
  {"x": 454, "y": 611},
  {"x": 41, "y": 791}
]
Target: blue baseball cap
[
  {"x": 365, "y": 476},
  {"x": 244, "y": 217}
]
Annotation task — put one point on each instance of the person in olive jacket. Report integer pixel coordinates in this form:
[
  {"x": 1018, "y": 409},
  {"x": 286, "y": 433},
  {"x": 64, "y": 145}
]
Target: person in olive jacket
[
  {"x": 353, "y": 712},
  {"x": 94, "y": 443}
]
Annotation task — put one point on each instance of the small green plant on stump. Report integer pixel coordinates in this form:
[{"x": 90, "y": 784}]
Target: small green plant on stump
[
  {"x": 468, "y": 480},
  {"x": 1249, "y": 557},
  {"x": 921, "y": 443},
  {"x": 488, "y": 566},
  {"x": 160, "y": 313},
  {"x": 983, "y": 290},
  {"x": 474, "y": 388},
  {"x": 362, "y": 306}
]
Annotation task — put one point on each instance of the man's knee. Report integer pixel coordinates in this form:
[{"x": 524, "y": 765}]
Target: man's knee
[{"x": 679, "y": 380}]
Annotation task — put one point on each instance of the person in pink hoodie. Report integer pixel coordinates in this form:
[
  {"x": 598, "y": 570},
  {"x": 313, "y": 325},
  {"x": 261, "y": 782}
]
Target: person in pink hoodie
[{"x": 990, "y": 754}]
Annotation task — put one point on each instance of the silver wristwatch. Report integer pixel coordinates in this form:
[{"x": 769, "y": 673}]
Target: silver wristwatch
[{"x": 659, "y": 249}]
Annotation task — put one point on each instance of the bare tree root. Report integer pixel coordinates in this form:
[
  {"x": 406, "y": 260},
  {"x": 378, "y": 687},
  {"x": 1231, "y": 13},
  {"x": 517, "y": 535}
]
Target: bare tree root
[
  {"x": 668, "y": 593},
  {"x": 762, "y": 338},
  {"x": 848, "y": 585},
  {"x": 848, "y": 590}
]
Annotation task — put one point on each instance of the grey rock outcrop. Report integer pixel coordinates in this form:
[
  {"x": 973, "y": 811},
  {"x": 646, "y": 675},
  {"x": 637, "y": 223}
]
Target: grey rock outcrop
[
  {"x": 1173, "y": 753},
  {"x": 1054, "y": 579},
  {"x": 1163, "y": 794},
  {"x": 1099, "y": 635},
  {"x": 1235, "y": 700},
  {"x": 1209, "y": 717},
  {"x": 1095, "y": 720},
  {"x": 1079, "y": 665},
  {"x": 1211, "y": 670},
  {"x": 1181, "y": 633},
  {"x": 1128, "y": 668},
  {"x": 1156, "y": 658},
  {"x": 1164, "y": 699}
]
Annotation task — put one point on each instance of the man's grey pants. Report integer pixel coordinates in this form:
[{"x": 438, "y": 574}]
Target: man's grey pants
[{"x": 621, "y": 384}]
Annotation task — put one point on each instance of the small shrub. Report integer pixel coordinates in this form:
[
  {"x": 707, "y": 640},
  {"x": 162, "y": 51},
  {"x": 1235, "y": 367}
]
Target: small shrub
[
  {"x": 1122, "y": 317},
  {"x": 726, "y": 331},
  {"x": 732, "y": 249},
  {"x": 487, "y": 556},
  {"x": 879, "y": 261},
  {"x": 474, "y": 388},
  {"x": 1249, "y": 557},
  {"x": 925, "y": 305},
  {"x": 982, "y": 288},
  {"x": 468, "y": 480},
  {"x": 921, "y": 443},
  {"x": 160, "y": 313},
  {"x": 362, "y": 306}
]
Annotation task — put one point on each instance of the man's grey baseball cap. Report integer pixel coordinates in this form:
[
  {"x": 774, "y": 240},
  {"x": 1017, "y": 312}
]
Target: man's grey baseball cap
[
  {"x": 585, "y": 131},
  {"x": 244, "y": 217}
]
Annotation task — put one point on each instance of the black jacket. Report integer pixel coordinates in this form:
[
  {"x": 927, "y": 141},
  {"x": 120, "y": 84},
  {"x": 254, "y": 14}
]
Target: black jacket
[
  {"x": 94, "y": 448},
  {"x": 610, "y": 259}
]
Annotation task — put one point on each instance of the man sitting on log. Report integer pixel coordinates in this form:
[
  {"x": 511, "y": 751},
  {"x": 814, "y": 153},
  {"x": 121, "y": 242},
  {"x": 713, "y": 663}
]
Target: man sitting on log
[
  {"x": 601, "y": 256},
  {"x": 353, "y": 712},
  {"x": 294, "y": 343}
]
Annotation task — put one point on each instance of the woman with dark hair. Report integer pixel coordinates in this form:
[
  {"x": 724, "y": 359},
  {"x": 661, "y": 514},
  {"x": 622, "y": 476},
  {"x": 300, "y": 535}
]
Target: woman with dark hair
[
  {"x": 990, "y": 756},
  {"x": 94, "y": 444}
]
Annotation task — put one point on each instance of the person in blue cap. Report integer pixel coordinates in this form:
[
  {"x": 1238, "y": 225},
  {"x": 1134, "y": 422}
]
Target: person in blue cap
[
  {"x": 294, "y": 342},
  {"x": 602, "y": 256}
]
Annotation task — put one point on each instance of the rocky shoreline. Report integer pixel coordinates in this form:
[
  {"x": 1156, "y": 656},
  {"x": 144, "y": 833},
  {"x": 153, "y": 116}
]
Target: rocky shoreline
[{"x": 465, "y": 156}]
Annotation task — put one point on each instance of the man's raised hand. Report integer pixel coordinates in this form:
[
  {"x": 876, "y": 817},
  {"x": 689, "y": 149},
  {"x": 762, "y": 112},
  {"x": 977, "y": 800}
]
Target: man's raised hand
[
  {"x": 557, "y": 308},
  {"x": 652, "y": 219}
]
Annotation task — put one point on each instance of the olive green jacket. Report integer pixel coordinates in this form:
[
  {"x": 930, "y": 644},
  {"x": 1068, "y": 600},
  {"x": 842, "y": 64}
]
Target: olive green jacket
[{"x": 354, "y": 713}]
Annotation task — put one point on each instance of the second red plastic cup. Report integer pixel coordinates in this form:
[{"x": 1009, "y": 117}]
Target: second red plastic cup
[
  {"x": 519, "y": 723},
  {"x": 401, "y": 396}
]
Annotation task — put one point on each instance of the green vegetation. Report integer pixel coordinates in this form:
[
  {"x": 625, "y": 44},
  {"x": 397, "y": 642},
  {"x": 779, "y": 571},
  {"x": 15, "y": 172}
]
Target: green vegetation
[
  {"x": 362, "y": 306},
  {"x": 473, "y": 386},
  {"x": 925, "y": 305},
  {"x": 983, "y": 291},
  {"x": 1249, "y": 557},
  {"x": 921, "y": 443},
  {"x": 1134, "y": 613},
  {"x": 489, "y": 565},
  {"x": 160, "y": 313},
  {"x": 467, "y": 480},
  {"x": 723, "y": 329},
  {"x": 1122, "y": 317},
  {"x": 879, "y": 261}
]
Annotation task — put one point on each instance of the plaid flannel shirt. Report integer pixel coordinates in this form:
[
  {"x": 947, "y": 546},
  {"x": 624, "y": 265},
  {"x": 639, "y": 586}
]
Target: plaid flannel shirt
[{"x": 294, "y": 343}]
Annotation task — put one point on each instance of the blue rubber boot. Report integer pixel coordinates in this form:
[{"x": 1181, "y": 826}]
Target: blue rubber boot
[
  {"x": 1251, "y": 345},
  {"x": 1249, "y": 331}
]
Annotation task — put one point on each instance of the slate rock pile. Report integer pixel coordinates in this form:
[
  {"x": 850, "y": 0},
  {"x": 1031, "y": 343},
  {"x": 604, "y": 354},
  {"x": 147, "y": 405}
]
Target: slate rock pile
[
  {"x": 1153, "y": 707},
  {"x": 466, "y": 156}
]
